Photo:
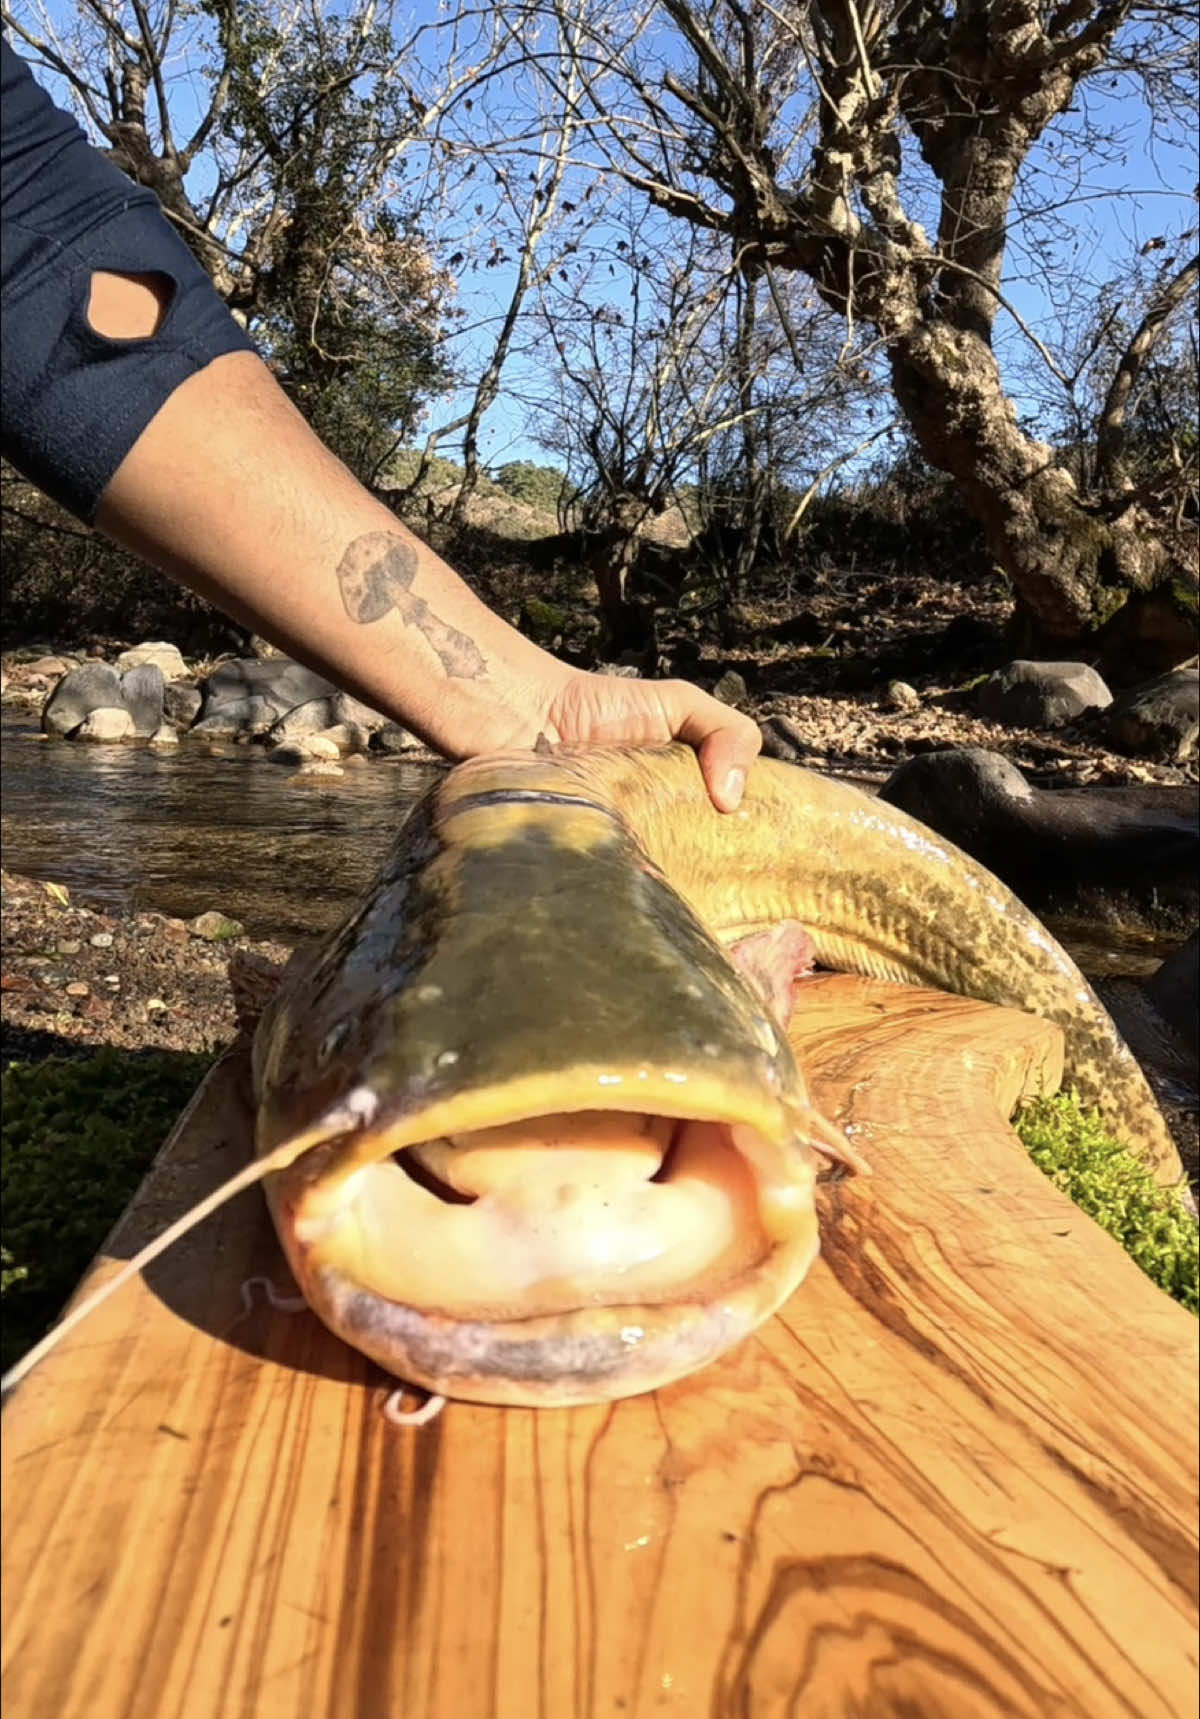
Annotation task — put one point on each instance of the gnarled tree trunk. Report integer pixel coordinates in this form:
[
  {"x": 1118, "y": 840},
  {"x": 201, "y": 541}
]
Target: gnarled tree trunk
[{"x": 1106, "y": 573}]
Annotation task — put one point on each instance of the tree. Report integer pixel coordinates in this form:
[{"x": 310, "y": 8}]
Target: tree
[
  {"x": 543, "y": 488},
  {"x": 293, "y": 119},
  {"x": 814, "y": 136},
  {"x": 670, "y": 375},
  {"x": 523, "y": 209}
]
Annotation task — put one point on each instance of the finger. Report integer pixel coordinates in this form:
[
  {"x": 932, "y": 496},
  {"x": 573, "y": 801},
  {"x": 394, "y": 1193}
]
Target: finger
[{"x": 727, "y": 741}]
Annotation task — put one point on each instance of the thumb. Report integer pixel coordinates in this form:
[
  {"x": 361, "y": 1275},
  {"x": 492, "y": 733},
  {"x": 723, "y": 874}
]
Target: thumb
[
  {"x": 727, "y": 741},
  {"x": 725, "y": 760}
]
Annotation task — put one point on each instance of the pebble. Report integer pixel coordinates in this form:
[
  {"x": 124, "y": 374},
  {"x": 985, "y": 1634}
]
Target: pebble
[
  {"x": 77, "y": 988},
  {"x": 101, "y": 940},
  {"x": 68, "y": 947},
  {"x": 900, "y": 696},
  {"x": 215, "y": 927}
]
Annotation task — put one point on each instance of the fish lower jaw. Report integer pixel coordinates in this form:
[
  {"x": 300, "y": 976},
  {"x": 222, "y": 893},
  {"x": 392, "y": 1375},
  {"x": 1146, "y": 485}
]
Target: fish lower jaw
[{"x": 591, "y": 1354}]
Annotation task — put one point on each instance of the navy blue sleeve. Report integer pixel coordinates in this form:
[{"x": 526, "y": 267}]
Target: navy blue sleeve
[{"x": 72, "y": 403}]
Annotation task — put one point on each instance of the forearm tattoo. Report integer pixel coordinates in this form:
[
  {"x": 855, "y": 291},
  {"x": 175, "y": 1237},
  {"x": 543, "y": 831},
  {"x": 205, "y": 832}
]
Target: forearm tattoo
[{"x": 376, "y": 574}]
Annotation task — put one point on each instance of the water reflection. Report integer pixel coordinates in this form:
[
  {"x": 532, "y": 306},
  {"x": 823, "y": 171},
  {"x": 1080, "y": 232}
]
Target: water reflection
[{"x": 128, "y": 828}]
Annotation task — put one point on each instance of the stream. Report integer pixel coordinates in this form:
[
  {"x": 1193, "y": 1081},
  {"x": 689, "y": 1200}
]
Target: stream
[{"x": 128, "y": 829}]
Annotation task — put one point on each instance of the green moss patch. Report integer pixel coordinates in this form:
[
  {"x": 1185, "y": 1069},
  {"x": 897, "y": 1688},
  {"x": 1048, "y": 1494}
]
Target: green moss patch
[
  {"x": 78, "y": 1136},
  {"x": 1112, "y": 1186}
]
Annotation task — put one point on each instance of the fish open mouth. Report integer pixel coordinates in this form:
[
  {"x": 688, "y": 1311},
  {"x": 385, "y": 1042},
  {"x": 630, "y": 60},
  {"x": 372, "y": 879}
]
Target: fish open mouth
[
  {"x": 550, "y": 1214},
  {"x": 555, "y": 1258},
  {"x": 567, "y": 1155}
]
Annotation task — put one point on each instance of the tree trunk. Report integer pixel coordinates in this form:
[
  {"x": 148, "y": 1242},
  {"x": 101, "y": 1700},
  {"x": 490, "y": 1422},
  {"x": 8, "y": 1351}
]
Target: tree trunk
[
  {"x": 1105, "y": 575},
  {"x": 1110, "y": 587},
  {"x": 627, "y": 625}
]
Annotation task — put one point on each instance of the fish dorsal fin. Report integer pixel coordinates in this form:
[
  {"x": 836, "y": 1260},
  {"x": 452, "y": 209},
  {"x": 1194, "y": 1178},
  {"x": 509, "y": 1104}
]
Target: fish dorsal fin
[{"x": 254, "y": 1172}]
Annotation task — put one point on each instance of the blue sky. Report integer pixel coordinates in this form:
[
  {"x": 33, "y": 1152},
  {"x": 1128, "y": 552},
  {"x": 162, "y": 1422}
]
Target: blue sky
[{"x": 1143, "y": 190}]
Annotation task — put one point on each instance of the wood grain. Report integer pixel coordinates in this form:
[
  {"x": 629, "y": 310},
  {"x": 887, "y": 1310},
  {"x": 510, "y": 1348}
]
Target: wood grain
[{"x": 956, "y": 1477}]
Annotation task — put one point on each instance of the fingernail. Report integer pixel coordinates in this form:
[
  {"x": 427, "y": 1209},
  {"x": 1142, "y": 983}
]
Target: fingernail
[{"x": 734, "y": 788}]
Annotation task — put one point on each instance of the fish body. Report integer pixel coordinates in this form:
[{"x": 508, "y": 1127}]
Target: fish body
[{"x": 550, "y": 1145}]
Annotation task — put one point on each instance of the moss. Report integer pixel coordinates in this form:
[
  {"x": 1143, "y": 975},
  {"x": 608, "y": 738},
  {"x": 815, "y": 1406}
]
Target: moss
[
  {"x": 1112, "y": 1186},
  {"x": 78, "y": 1136},
  {"x": 1185, "y": 598},
  {"x": 542, "y": 621},
  {"x": 1106, "y": 602}
]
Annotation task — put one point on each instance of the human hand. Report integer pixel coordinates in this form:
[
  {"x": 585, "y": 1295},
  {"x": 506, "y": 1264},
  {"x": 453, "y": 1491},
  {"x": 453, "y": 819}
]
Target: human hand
[{"x": 600, "y": 710}]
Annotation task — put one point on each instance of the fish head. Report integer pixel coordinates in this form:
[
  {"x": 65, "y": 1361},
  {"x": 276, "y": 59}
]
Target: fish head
[{"x": 550, "y": 1145}]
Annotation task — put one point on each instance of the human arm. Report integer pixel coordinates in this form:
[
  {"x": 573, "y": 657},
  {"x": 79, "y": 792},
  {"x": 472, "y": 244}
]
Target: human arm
[
  {"x": 230, "y": 492},
  {"x": 132, "y": 396}
]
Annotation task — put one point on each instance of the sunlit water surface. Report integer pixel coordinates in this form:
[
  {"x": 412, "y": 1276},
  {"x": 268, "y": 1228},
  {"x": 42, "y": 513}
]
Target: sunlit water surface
[{"x": 128, "y": 829}]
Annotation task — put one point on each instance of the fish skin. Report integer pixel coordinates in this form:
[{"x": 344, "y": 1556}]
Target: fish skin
[
  {"x": 616, "y": 862},
  {"x": 882, "y": 895}
]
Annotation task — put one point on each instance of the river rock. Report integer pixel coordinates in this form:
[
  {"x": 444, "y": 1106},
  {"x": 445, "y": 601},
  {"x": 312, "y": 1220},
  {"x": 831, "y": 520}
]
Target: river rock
[
  {"x": 109, "y": 722},
  {"x": 287, "y": 752},
  {"x": 142, "y": 696},
  {"x": 91, "y": 686},
  {"x": 732, "y": 689},
  {"x": 236, "y": 717},
  {"x": 214, "y": 927},
  {"x": 898, "y": 695},
  {"x": 160, "y": 654},
  {"x": 52, "y": 667},
  {"x": 1051, "y": 844},
  {"x": 392, "y": 739},
  {"x": 346, "y": 708},
  {"x": 308, "y": 718},
  {"x": 319, "y": 768},
  {"x": 278, "y": 682},
  {"x": 1175, "y": 992},
  {"x": 181, "y": 702},
  {"x": 346, "y": 736},
  {"x": 165, "y": 736},
  {"x": 1160, "y": 719},
  {"x": 783, "y": 738},
  {"x": 1041, "y": 695},
  {"x": 348, "y": 719},
  {"x": 320, "y": 746}
]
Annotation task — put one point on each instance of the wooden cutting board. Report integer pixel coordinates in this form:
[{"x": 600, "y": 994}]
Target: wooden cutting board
[{"x": 956, "y": 1477}]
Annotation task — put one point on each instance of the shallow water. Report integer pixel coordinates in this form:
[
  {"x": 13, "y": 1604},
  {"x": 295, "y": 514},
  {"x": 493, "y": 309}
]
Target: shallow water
[{"x": 129, "y": 829}]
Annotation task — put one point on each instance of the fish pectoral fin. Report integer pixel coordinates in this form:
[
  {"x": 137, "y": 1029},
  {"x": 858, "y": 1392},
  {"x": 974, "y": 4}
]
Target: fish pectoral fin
[{"x": 772, "y": 960}]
